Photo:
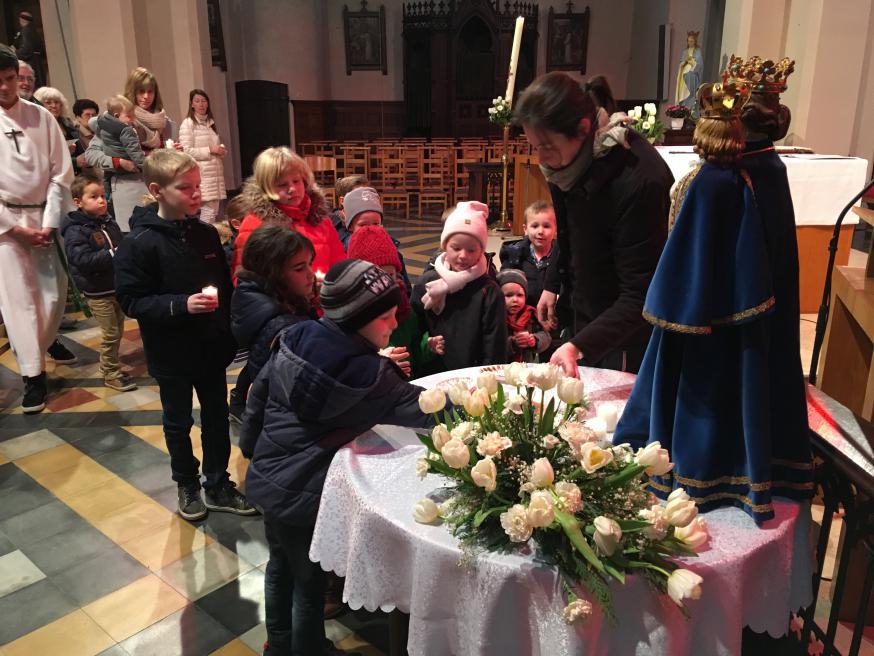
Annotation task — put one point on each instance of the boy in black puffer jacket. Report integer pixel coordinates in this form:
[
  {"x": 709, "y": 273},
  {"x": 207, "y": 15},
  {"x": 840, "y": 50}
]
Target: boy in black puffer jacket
[
  {"x": 91, "y": 237},
  {"x": 172, "y": 277},
  {"x": 325, "y": 384}
]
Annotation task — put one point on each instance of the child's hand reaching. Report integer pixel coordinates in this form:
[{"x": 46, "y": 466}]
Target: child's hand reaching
[
  {"x": 524, "y": 340},
  {"x": 202, "y": 303},
  {"x": 437, "y": 344},
  {"x": 400, "y": 356}
]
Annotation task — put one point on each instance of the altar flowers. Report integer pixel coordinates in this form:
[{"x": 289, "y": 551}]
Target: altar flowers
[{"x": 525, "y": 463}]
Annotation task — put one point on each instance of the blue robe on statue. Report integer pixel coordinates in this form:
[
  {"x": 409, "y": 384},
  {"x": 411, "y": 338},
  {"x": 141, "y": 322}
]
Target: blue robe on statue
[{"x": 717, "y": 384}]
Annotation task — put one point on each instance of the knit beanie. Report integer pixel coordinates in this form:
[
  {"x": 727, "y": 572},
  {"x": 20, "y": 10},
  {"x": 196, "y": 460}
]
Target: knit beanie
[
  {"x": 470, "y": 218},
  {"x": 354, "y": 293},
  {"x": 513, "y": 275},
  {"x": 361, "y": 199},
  {"x": 372, "y": 244}
]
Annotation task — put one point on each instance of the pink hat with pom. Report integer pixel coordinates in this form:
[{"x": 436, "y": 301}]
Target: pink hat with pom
[{"x": 469, "y": 218}]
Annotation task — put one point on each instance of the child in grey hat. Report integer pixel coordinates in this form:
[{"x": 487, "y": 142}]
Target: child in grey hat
[{"x": 525, "y": 336}]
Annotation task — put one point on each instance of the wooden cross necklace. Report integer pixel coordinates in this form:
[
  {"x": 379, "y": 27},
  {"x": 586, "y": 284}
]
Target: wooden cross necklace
[{"x": 14, "y": 134}]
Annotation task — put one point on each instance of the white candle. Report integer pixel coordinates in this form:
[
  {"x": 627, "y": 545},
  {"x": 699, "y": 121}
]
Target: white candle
[
  {"x": 514, "y": 59},
  {"x": 168, "y": 144},
  {"x": 209, "y": 290},
  {"x": 599, "y": 426},
  {"x": 319, "y": 275},
  {"x": 610, "y": 415}
]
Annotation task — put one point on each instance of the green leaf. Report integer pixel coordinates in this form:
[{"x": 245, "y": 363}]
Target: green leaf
[
  {"x": 572, "y": 530},
  {"x": 482, "y": 514},
  {"x": 548, "y": 418},
  {"x": 630, "y": 472},
  {"x": 612, "y": 571},
  {"x": 632, "y": 525},
  {"x": 500, "y": 400}
]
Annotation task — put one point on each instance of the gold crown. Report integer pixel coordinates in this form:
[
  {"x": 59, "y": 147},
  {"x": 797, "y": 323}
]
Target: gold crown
[
  {"x": 762, "y": 75},
  {"x": 723, "y": 100}
]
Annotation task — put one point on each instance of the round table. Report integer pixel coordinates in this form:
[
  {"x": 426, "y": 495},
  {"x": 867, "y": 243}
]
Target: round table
[{"x": 511, "y": 604}]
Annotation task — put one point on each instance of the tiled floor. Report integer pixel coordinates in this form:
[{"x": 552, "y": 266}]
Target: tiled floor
[{"x": 93, "y": 558}]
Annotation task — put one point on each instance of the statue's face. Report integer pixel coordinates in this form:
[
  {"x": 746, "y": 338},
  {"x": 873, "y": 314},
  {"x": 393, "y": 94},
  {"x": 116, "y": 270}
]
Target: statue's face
[{"x": 691, "y": 42}]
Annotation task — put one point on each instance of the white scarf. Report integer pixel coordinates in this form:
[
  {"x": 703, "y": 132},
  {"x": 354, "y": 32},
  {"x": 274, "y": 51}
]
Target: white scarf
[{"x": 449, "y": 282}]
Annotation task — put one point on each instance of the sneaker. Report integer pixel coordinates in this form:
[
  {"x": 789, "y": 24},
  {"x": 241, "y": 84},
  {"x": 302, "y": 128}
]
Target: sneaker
[
  {"x": 122, "y": 384},
  {"x": 61, "y": 354},
  {"x": 34, "y": 394},
  {"x": 191, "y": 506},
  {"x": 225, "y": 498}
]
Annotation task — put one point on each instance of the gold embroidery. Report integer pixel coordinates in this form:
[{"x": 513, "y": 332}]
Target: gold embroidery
[
  {"x": 679, "y": 195},
  {"x": 725, "y": 480},
  {"x": 757, "y": 508},
  {"x": 677, "y": 327},
  {"x": 660, "y": 487},
  {"x": 792, "y": 464},
  {"x": 746, "y": 314}
]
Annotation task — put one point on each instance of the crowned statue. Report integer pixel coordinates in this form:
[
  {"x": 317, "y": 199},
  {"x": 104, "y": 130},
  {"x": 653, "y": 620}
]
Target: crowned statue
[
  {"x": 721, "y": 385},
  {"x": 689, "y": 73}
]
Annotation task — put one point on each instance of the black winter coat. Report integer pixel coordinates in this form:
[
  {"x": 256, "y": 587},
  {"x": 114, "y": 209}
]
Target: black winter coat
[
  {"x": 517, "y": 255},
  {"x": 473, "y": 323},
  {"x": 320, "y": 390},
  {"x": 256, "y": 319},
  {"x": 612, "y": 227},
  {"x": 91, "y": 243},
  {"x": 158, "y": 266}
]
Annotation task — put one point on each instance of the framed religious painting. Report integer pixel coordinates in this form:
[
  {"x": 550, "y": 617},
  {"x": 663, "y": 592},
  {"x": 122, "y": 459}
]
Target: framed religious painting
[
  {"x": 567, "y": 40},
  {"x": 364, "y": 33}
]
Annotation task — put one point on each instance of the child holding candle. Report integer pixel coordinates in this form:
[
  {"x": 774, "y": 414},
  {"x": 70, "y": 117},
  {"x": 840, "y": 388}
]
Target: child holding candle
[
  {"x": 282, "y": 191},
  {"x": 461, "y": 305},
  {"x": 163, "y": 274}
]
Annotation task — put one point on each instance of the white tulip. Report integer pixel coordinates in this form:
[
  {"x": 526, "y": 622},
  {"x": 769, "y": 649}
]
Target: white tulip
[
  {"x": 680, "y": 512},
  {"x": 610, "y": 415},
  {"x": 422, "y": 467},
  {"x": 570, "y": 390},
  {"x": 432, "y": 400},
  {"x": 475, "y": 405},
  {"x": 456, "y": 454},
  {"x": 647, "y": 124},
  {"x": 607, "y": 535},
  {"x": 650, "y": 108},
  {"x": 656, "y": 459},
  {"x": 516, "y": 403},
  {"x": 540, "y": 511},
  {"x": 684, "y": 584},
  {"x": 593, "y": 457},
  {"x": 679, "y": 493},
  {"x": 458, "y": 391},
  {"x": 515, "y": 523},
  {"x": 516, "y": 374},
  {"x": 440, "y": 436},
  {"x": 488, "y": 381},
  {"x": 694, "y": 535},
  {"x": 542, "y": 474},
  {"x": 425, "y": 511},
  {"x": 544, "y": 376},
  {"x": 485, "y": 474}
]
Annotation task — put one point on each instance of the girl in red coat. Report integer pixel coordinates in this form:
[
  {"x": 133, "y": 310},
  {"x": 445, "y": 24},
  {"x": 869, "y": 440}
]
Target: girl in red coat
[{"x": 282, "y": 191}]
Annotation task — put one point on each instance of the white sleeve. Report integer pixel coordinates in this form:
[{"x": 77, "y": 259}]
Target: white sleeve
[{"x": 60, "y": 176}]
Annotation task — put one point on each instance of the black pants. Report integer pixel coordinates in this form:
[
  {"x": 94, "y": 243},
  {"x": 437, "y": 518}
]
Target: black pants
[
  {"x": 241, "y": 390},
  {"x": 176, "y": 400},
  {"x": 294, "y": 593}
]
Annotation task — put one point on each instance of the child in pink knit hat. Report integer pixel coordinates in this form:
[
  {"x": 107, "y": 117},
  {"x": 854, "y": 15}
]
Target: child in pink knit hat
[{"x": 461, "y": 305}]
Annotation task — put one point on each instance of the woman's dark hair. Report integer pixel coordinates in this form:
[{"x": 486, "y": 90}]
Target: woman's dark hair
[
  {"x": 200, "y": 92},
  {"x": 82, "y": 104},
  {"x": 264, "y": 256},
  {"x": 599, "y": 89},
  {"x": 555, "y": 102}
]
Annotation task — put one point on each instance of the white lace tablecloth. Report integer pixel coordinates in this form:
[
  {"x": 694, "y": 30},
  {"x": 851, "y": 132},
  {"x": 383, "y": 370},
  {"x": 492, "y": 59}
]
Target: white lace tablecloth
[{"x": 508, "y": 604}]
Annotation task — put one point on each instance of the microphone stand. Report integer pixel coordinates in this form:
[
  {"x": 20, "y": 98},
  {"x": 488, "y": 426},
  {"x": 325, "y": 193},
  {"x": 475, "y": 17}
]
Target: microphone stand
[{"x": 824, "y": 306}]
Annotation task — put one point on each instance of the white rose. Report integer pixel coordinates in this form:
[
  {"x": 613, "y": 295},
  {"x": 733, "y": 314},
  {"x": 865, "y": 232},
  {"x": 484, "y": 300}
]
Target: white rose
[
  {"x": 684, "y": 584},
  {"x": 550, "y": 441},
  {"x": 440, "y": 436},
  {"x": 515, "y": 523},
  {"x": 593, "y": 457},
  {"x": 485, "y": 474},
  {"x": 576, "y": 610},
  {"x": 456, "y": 454},
  {"x": 458, "y": 391},
  {"x": 680, "y": 512},
  {"x": 576, "y": 435},
  {"x": 570, "y": 390},
  {"x": 540, "y": 510},
  {"x": 488, "y": 381},
  {"x": 658, "y": 527},
  {"x": 422, "y": 467},
  {"x": 610, "y": 415},
  {"x": 432, "y": 400},
  {"x": 425, "y": 511},
  {"x": 544, "y": 376},
  {"x": 516, "y": 403},
  {"x": 542, "y": 474},
  {"x": 492, "y": 444},
  {"x": 464, "y": 431},
  {"x": 694, "y": 534},
  {"x": 475, "y": 405},
  {"x": 607, "y": 534},
  {"x": 599, "y": 426},
  {"x": 656, "y": 459},
  {"x": 570, "y": 495}
]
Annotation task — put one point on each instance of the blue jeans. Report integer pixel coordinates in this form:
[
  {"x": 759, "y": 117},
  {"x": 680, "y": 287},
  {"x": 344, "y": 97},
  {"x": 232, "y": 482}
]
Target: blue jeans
[{"x": 294, "y": 593}]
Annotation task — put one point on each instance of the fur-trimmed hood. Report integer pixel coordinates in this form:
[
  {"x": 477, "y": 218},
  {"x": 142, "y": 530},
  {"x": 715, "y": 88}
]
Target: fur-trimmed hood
[{"x": 265, "y": 209}]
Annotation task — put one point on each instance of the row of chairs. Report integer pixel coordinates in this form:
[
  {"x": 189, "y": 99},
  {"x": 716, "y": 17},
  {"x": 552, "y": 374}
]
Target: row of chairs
[{"x": 410, "y": 173}]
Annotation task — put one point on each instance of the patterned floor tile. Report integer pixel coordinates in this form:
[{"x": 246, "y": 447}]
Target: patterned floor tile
[
  {"x": 64, "y": 550},
  {"x": 17, "y": 571},
  {"x": 137, "y": 455},
  {"x": 79, "y": 478},
  {"x": 134, "y": 521},
  {"x": 40, "y": 523},
  {"x": 69, "y": 399},
  {"x": 187, "y": 631},
  {"x": 32, "y": 607},
  {"x": 238, "y": 605},
  {"x": 236, "y": 647},
  {"x": 51, "y": 460},
  {"x": 255, "y": 637},
  {"x": 75, "y": 634},
  {"x": 29, "y": 444},
  {"x": 203, "y": 571},
  {"x": 92, "y": 579},
  {"x": 166, "y": 544},
  {"x": 134, "y": 399},
  {"x": 20, "y": 492}
]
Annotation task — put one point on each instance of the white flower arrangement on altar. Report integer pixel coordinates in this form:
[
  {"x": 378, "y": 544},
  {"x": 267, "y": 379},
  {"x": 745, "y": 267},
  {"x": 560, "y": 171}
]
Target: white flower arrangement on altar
[
  {"x": 522, "y": 468},
  {"x": 647, "y": 123},
  {"x": 500, "y": 112}
]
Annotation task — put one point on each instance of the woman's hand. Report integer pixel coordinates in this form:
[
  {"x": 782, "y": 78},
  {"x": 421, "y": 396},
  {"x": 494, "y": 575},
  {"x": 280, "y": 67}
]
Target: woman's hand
[
  {"x": 546, "y": 310},
  {"x": 202, "y": 303},
  {"x": 177, "y": 145},
  {"x": 219, "y": 150},
  {"x": 437, "y": 344},
  {"x": 566, "y": 357}
]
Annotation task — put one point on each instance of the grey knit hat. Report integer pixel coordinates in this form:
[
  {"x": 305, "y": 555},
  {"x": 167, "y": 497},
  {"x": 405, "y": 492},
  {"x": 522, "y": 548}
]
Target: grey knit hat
[
  {"x": 513, "y": 275},
  {"x": 355, "y": 292},
  {"x": 360, "y": 199}
]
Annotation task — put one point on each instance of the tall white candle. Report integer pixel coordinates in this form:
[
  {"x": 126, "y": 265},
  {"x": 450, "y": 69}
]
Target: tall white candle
[{"x": 514, "y": 59}]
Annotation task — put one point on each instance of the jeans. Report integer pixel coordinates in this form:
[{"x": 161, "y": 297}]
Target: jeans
[
  {"x": 294, "y": 593},
  {"x": 176, "y": 399},
  {"x": 110, "y": 318}
]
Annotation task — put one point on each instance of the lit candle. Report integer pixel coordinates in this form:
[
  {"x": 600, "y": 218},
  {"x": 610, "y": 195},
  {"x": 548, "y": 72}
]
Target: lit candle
[
  {"x": 209, "y": 290},
  {"x": 514, "y": 59},
  {"x": 168, "y": 144},
  {"x": 610, "y": 415},
  {"x": 599, "y": 427},
  {"x": 319, "y": 275}
]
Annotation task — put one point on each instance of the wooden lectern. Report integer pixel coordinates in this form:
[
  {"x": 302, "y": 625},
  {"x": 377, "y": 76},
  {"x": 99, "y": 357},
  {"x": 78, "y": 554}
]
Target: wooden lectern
[{"x": 529, "y": 185}]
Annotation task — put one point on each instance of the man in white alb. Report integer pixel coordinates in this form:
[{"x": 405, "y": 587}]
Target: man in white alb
[{"x": 35, "y": 175}]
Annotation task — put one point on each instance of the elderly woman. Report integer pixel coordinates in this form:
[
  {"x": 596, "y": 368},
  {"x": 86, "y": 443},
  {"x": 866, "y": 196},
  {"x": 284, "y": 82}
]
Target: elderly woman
[
  {"x": 611, "y": 198},
  {"x": 54, "y": 101}
]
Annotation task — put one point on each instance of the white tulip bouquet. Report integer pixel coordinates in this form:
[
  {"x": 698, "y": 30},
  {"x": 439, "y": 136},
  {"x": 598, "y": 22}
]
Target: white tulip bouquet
[
  {"x": 646, "y": 121},
  {"x": 523, "y": 468}
]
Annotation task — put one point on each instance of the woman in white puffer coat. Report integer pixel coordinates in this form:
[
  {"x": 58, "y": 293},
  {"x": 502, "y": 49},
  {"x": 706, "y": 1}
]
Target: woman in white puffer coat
[{"x": 199, "y": 139}]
